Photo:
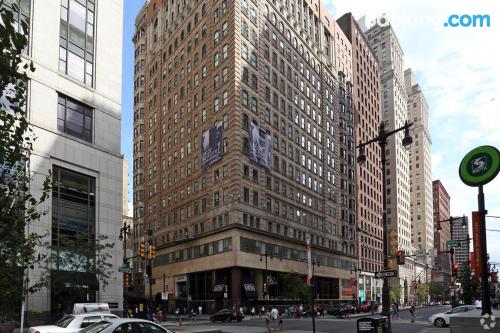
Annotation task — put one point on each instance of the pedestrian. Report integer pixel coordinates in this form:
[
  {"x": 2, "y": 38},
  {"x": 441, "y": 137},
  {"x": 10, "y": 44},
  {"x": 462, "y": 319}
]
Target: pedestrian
[
  {"x": 412, "y": 312},
  {"x": 200, "y": 310},
  {"x": 253, "y": 311},
  {"x": 301, "y": 310},
  {"x": 281, "y": 321},
  {"x": 193, "y": 314},
  {"x": 178, "y": 316},
  {"x": 267, "y": 316},
  {"x": 274, "y": 317},
  {"x": 395, "y": 312},
  {"x": 241, "y": 311},
  {"x": 262, "y": 311}
]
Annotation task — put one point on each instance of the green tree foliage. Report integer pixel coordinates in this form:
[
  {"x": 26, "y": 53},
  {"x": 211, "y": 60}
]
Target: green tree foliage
[
  {"x": 395, "y": 292},
  {"x": 297, "y": 288},
  {"x": 19, "y": 209},
  {"x": 438, "y": 290},
  {"x": 470, "y": 285},
  {"x": 422, "y": 292}
]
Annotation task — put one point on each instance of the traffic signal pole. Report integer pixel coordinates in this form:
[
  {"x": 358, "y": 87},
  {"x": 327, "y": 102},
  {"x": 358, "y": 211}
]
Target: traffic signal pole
[{"x": 486, "y": 303}]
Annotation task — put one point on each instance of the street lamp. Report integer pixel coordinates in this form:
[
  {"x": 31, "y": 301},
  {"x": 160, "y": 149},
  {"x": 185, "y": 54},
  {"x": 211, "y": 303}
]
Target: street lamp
[
  {"x": 381, "y": 139},
  {"x": 266, "y": 281},
  {"x": 124, "y": 232}
]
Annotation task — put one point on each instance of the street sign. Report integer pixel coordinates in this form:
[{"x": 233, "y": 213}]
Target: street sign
[
  {"x": 453, "y": 243},
  {"x": 125, "y": 268},
  {"x": 480, "y": 166},
  {"x": 164, "y": 296},
  {"x": 384, "y": 274},
  {"x": 454, "y": 286}
]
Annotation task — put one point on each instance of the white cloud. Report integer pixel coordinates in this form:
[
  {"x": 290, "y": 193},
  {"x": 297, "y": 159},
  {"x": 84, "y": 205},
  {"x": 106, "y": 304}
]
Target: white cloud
[{"x": 459, "y": 73}]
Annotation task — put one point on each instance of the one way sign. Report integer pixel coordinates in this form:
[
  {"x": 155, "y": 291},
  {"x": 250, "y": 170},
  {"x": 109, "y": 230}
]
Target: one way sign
[{"x": 385, "y": 274}]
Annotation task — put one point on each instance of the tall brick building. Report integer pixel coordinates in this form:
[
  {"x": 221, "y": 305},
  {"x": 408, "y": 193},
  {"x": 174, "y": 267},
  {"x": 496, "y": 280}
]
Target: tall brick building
[
  {"x": 441, "y": 210},
  {"x": 368, "y": 115},
  {"x": 244, "y": 150}
]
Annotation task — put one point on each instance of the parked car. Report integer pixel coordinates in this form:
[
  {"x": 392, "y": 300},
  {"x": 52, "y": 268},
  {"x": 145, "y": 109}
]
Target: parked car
[
  {"x": 125, "y": 325},
  {"x": 367, "y": 306},
  {"x": 341, "y": 309},
  {"x": 73, "y": 323},
  {"x": 226, "y": 315},
  {"x": 443, "y": 319}
]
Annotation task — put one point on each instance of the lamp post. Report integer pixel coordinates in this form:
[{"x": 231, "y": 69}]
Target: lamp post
[
  {"x": 124, "y": 232},
  {"x": 313, "y": 294},
  {"x": 381, "y": 139}
]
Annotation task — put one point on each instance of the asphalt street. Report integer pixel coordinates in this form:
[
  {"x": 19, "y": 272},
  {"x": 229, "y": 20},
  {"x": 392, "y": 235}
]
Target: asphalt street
[{"x": 326, "y": 325}]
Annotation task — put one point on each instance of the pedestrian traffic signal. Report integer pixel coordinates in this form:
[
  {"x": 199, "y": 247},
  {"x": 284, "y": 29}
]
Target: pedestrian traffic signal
[
  {"x": 152, "y": 252},
  {"x": 142, "y": 252},
  {"x": 452, "y": 251},
  {"x": 265, "y": 288},
  {"x": 400, "y": 257},
  {"x": 126, "y": 280}
]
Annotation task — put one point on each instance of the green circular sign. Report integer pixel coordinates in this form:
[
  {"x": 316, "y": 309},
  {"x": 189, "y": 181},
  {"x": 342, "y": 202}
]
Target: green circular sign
[{"x": 480, "y": 166}]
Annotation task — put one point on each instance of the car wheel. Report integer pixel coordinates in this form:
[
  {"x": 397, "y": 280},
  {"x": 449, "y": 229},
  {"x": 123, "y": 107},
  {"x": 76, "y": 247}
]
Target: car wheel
[{"x": 439, "y": 322}]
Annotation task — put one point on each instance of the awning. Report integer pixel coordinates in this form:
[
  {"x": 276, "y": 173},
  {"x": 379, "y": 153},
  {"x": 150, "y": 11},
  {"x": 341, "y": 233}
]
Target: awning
[
  {"x": 250, "y": 290},
  {"x": 72, "y": 280}
]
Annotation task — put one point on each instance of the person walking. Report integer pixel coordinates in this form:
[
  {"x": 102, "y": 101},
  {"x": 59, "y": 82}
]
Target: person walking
[
  {"x": 262, "y": 311},
  {"x": 412, "y": 312},
  {"x": 253, "y": 312},
  {"x": 301, "y": 311},
  {"x": 200, "y": 310},
  {"x": 267, "y": 316},
  {"x": 274, "y": 317},
  {"x": 280, "y": 321},
  {"x": 395, "y": 310}
]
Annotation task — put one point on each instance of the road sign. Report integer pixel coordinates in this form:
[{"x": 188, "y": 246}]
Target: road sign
[
  {"x": 125, "y": 268},
  {"x": 480, "y": 166},
  {"x": 453, "y": 243},
  {"x": 164, "y": 296},
  {"x": 454, "y": 286},
  {"x": 384, "y": 274}
]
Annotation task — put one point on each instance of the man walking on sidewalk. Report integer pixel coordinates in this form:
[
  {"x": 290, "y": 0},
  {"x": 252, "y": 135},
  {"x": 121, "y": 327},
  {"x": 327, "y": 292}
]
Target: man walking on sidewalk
[{"x": 412, "y": 312}]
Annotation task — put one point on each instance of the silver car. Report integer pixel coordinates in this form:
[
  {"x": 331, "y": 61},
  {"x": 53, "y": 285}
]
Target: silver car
[
  {"x": 73, "y": 323},
  {"x": 125, "y": 325}
]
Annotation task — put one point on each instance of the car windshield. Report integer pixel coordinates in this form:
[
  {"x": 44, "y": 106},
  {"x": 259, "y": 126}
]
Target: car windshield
[
  {"x": 94, "y": 328},
  {"x": 64, "y": 322}
]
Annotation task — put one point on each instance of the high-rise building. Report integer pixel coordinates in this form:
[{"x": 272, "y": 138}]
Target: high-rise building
[
  {"x": 248, "y": 150},
  {"x": 139, "y": 40},
  {"x": 389, "y": 53},
  {"x": 420, "y": 167},
  {"x": 75, "y": 110},
  {"x": 460, "y": 232},
  {"x": 441, "y": 210},
  {"x": 368, "y": 115}
]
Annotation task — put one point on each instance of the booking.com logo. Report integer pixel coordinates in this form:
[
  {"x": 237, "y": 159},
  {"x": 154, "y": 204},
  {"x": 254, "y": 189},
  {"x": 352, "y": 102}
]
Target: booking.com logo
[{"x": 467, "y": 21}]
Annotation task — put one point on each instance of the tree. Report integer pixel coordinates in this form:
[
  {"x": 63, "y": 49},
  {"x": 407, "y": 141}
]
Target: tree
[
  {"x": 395, "y": 292},
  {"x": 297, "y": 288},
  {"x": 470, "y": 285},
  {"x": 19, "y": 209},
  {"x": 438, "y": 290},
  {"x": 422, "y": 292}
]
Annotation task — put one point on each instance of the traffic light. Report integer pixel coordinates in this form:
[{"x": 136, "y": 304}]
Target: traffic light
[
  {"x": 126, "y": 280},
  {"x": 265, "y": 288},
  {"x": 400, "y": 257},
  {"x": 152, "y": 252},
  {"x": 455, "y": 270},
  {"x": 452, "y": 251},
  {"x": 142, "y": 252}
]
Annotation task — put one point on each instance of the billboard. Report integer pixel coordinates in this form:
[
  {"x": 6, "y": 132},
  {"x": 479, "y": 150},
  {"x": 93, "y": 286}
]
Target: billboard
[
  {"x": 211, "y": 146},
  {"x": 260, "y": 146}
]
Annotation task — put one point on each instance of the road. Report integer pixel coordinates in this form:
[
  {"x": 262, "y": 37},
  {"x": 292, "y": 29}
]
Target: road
[{"x": 326, "y": 325}]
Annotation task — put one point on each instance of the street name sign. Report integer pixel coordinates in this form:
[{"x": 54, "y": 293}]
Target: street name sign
[
  {"x": 385, "y": 274},
  {"x": 453, "y": 243}
]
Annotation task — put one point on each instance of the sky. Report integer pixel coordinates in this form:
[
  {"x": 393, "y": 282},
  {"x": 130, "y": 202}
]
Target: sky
[{"x": 458, "y": 70}]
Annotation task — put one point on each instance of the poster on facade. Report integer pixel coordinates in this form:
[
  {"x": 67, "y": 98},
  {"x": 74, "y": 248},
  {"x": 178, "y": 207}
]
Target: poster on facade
[
  {"x": 309, "y": 262},
  {"x": 211, "y": 146},
  {"x": 260, "y": 146}
]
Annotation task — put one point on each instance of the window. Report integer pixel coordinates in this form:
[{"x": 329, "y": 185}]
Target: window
[
  {"x": 76, "y": 45},
  {"x": 73, "y": 206},
  {"x": 74, "y": 118},
  {"x": 244, "y": 97}
]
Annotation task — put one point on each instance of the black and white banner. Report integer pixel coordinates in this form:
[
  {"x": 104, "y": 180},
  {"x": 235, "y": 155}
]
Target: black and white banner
[{"x": 260, "y": 146}]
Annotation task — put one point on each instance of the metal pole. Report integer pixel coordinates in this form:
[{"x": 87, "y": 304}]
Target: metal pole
[
  {"x": 486, "y": 303},
  {"x": 313, "y": 312},
  {"x": 386, "y": 302},
  {"x": 267, "y": 287},
  {"x": 452, "y": 258}
]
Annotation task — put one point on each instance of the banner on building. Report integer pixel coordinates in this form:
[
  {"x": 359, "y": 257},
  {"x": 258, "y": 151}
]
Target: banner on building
[
  {"x": 309, "y": 262},
  {"x": 211, "y": 146},
  {"x": 476, "y": 231},
  {"x": 260, "y": 146}
]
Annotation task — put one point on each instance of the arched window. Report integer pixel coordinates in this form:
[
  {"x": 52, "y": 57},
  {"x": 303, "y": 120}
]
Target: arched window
[
  {"x": 196, "y": 18},
  {"x": 204, "y": 10}
]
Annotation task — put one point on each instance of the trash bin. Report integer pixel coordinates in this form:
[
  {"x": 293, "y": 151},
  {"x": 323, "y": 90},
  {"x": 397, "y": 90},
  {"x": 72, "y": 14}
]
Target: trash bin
[{"x": 373, "y": 324}]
